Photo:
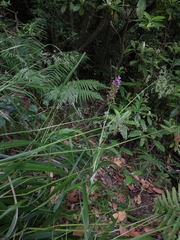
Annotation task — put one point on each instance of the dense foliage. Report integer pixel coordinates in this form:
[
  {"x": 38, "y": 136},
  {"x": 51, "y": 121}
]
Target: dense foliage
[{"x": 82, "y": 83}]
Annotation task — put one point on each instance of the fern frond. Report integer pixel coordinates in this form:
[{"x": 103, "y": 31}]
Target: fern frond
[
  {"x": 36, "y": 28},
  {"x": 75, "y": 92},
  {"x": 87, "y": 89},
  {"x": 168, "y": 205},
  {"x": 85, "y": 95},
  {"x": 89, "y": 84},
  {"x": 19, "y": 53},
  {"x": 59, "y": 66}
]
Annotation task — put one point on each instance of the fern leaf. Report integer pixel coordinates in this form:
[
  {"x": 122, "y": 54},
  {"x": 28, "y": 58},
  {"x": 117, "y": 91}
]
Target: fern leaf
[
  {"x": 175, "y": 197},
  {"x": 168, "y": 205},
  {"x": 175, "y": 229},
  {"x": 89, "y": 84},
  {"x": 169, "y": 198},
  {"x": 166, "y": 217},
  {"x": 172, "y": 218},
  {"x": 85, "y": 95}
]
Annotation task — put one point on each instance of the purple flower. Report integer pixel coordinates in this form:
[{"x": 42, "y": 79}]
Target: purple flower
[
  {"x": 113, "y": 90},
  {"x": 117, "y": 81}
]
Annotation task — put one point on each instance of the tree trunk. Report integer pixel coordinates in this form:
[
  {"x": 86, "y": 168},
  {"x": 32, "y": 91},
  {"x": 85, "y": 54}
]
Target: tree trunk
[{"x": 100, "y": 27}]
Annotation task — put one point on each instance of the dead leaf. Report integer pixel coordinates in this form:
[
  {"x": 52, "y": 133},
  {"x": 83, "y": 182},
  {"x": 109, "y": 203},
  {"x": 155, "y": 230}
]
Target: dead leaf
[
  {"x": 95, "y": 210},
  {"x": 94, "y": 196},
  {"x": 79, "y": 231},
  {"x": 119, "y": 216},
  {"x": 177, "y": 138},
  {"x": 123, "y": 231},
  {"x": 117, "y": 161},
  {"x": 137, "y": 199},
  {"x": 113, "y": 205},
  {"x": 73, "y": 196},
  {"x": 150, "y": 190},
  {"x": 134, "y": 234},
  {"x": 121, "y": 198},
  {"x": 145, "y": 185},
  {"x": 66, "y": 142},
  {"x": 148, "y": 229},
  {"x": 118, "y": 178},
  {"x": 157, "y": 190},
  {"x": 92, "y": 143},
  {"x": 131, "y": 187},
  {"x": 169, "y": 160},
  {"x": 54, "y": 197}
]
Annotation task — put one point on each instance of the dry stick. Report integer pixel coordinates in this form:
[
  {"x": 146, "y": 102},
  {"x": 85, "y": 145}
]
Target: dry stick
[{"x": 15, "y": 16}]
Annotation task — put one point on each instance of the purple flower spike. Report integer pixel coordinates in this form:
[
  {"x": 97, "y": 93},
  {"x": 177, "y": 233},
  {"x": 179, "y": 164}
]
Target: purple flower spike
[
  {"x": 117, "y": 81},
  {"x": 113, "y": 90}
]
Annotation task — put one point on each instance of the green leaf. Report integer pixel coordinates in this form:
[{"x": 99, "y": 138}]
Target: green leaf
[
  {"x": 147, "y": 16},
  {"x": 142, "y": 141},
  {"x": 149, "y": 120},
  {"x": 141, "y": 6},
  {"x": 33, "y": 108},
  {"x": 136, "y": 173},
  {"x": 85, "y": 211},
  {"x": 135, "y": 133},
  {"x": 132, "y": 63},
  {"x": 63, "y": 8},
  {"x": 159, "y": 145},
  {"x": 174, "y": 113},
  {"x": 158, "y": 18},
  {"x": 127, "y": 151},
  {"x": 176, "y": 62},
  {"x": 126, "y": 114},
  {"x": 133, "y": 44},
  {"x": 128, "y": 180},
  {"x": 15, "y": 143},
  {"x": 116, "y": 112},
  {"x": 30, "y": 166},
  {"x": 81, "y": 11},
  {"x": 76, "y": 7}
]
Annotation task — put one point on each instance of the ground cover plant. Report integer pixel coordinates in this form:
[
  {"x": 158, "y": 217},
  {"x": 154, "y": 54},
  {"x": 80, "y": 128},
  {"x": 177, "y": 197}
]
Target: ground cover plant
[{"x": 89, "y": 153}]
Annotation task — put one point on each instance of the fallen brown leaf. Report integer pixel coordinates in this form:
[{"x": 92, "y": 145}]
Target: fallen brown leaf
[
  {"x": 54, "y": 197},
  {"x": 92, "y": 143},
  {"x": 113, "y": 205},
  {"x": 78, "y": 232},
  {"x": 177, "y": 138},
  {"x": 137, "y": 199},
  {"x": 119, "y": 216},
  {"x": 117, "y": 161},
  {"x": 94, "y": 196},
  {"x": 73, "y": 196},
  {"x": 95, "y": 211},
  {"x": 145, "y": 185},
  {"x": 66, "y": 142},
  {"x": 131, "y": 187},
  {"x": 121, "y": 198},
  {"x": 157, "y": 190},
  {"x": 134, "y": 234},
  {"x": 123, "y": 231},
  {"x": 148, "y": 229},
  {"x": 118, "y": 178}
]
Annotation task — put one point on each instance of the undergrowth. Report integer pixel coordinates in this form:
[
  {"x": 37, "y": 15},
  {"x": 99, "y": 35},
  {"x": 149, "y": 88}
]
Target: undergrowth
[{"x": 52, "y": 153}]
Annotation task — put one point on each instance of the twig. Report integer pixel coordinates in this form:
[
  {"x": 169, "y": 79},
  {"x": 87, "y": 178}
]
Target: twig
[{"x": 15, "y": 16}]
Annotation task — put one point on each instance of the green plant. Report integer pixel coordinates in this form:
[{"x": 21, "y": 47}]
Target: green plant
[{"x": 168, "y": 207}]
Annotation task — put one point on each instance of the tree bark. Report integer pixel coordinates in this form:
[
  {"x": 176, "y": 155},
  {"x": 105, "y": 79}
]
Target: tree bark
[{"x": 99, "y": 28}]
